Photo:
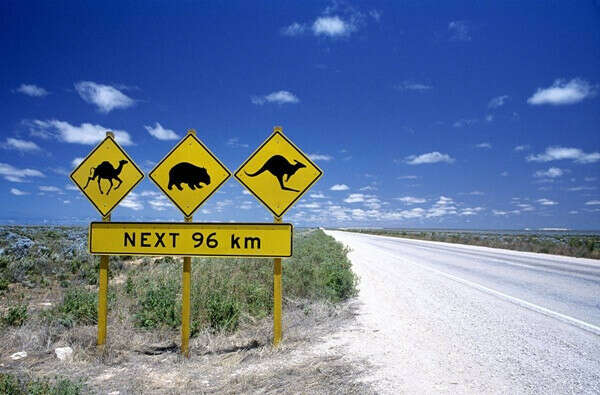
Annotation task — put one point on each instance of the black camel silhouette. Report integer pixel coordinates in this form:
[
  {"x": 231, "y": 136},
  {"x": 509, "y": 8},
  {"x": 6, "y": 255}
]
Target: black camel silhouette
[
  {"x": 107, "y": 171},
  {"x": 279, "y": 167}
]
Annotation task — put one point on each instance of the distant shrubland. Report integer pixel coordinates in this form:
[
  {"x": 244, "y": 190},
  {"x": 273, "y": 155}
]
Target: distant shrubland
[{"x": 577, "y": 245}]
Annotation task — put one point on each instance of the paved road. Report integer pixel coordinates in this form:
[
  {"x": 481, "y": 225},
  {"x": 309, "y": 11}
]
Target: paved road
[{"x": 453, "y": 318}]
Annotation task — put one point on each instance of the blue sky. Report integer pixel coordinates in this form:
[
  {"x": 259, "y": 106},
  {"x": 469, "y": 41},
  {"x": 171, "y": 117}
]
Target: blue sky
[{"x": 421, "y": 114}]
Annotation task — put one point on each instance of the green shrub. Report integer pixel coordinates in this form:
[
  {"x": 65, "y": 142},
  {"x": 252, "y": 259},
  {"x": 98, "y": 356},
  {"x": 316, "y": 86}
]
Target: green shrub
[
  {"x": 159, "y": 306},
  {"x": 226, "y": 291},
  {"x": 79, "y": 306},
  {"x": 11, "y": 385},
  {"x": 15, "y": 315}
]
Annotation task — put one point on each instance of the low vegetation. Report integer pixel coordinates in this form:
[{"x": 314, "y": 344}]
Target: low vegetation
[
  {"x": 48, "y": 299},
  {"x": 11, "y": 385},
  {"x": 559, "y": 243}
]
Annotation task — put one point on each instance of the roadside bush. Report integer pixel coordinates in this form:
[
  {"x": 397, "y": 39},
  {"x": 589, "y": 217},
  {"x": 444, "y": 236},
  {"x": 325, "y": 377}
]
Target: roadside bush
[
  {"x": 226, "y": 291},
  {"x": 15, "y": 315},
  {"x": 159, "y": 306},
  {"x": 79, "y": 306},
  {"x": 11, "y": 385}
]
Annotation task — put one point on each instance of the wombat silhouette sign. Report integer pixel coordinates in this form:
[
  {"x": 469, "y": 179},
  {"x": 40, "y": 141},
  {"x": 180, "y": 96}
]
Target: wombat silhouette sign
[
  {"x": 106, "y": 175},
  {"x": 278, "y": 173},
  {"x": 189, "y": 174}
]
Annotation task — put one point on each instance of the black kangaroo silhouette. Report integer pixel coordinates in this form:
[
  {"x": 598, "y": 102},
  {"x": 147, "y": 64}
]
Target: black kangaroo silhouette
[
  {"x": 107, "y": 171},
  {"x": 279, "y": 167}
]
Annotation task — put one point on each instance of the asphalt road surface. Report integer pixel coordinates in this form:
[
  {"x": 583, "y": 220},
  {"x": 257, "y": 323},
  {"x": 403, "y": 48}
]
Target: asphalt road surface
[{"x": 440, "y": 317}]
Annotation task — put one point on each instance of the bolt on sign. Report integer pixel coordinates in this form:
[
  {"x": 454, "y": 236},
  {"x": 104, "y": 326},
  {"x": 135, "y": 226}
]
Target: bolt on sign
[
  {"x": 189, "y": 174},
  {"x": 278, "y": 173},
  {"x": 106, "y": 175},
  {"x": 190, "y": 239}
]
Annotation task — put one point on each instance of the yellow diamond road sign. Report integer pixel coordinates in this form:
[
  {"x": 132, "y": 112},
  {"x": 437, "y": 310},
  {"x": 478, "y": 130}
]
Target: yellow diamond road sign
[
  {"x": 106, "y": 175},
  {"x": 189, "y": 174},
  {"x": 278, "y": 173}
]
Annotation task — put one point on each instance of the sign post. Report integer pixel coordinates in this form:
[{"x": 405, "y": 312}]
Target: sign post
[
  {"x": 185, "y": 302},
  {"x": 107, "y": 162},
  {"x": 277, "y": 295},
  {"x": 278, "y": 174},
  {"x": 189, "y": 174}
]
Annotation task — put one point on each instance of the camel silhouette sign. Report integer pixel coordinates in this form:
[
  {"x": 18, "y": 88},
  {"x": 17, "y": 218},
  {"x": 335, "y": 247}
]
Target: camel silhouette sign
[
  {"x": 189, "y": 174},
  {"x": 106, "y": 175},
  {"x": 278, "y": 173}
]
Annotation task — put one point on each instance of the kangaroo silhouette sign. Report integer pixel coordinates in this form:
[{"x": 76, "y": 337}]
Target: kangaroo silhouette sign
[
  {"x": 278, "y": 173},
  {"x": 189, "y": 174},
  {"x": 106, "y": 175}
]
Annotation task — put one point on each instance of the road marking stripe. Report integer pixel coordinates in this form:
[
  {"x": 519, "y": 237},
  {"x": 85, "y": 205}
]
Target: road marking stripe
[{"x": 523, "y": 303}]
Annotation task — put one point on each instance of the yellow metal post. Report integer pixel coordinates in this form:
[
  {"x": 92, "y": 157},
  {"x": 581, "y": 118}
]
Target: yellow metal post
[
  {"x": 277, "y": 296},
  {"x": 185, "y": 296},
  {"x": 103, "y": 289}
]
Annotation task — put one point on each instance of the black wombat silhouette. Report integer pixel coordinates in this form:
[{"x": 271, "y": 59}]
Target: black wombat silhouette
[
  {"x": 189, "y": 174},
  {"x": 279, "y": 167},
  {"x": 107, "y": 171}
]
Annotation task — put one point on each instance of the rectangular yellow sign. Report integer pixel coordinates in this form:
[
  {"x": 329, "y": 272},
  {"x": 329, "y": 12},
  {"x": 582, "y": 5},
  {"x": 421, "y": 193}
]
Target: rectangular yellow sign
[{"x": 190, "y": 239}]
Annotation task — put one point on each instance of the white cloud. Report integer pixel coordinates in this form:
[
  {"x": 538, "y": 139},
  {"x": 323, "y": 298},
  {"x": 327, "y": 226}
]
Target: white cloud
[
  {"x": 484, "y": 145},
  {"x": 279, "y": 97},
  {"x": 489, "y": 118},
  {"x": 430, "y": 157},
  {"x": 592, "y": 203},
  {"x": 86, "y": 133},
  {"x": 521, "y": 148},
  {"x": 504, "y": 174},
  {"x": 71, "y": 187},
  {"x": 476, "y": 193},
  {"x": 339, "y": 187},
  {"x": 552, "y": 172},
  {"x": 414, "y": 86},
  {"x": 161, "y": 133},
  {"x": 408, "y": 177},
  {"x": 332, "y": 26},
  {"x": 459, "y": 31},
  {"x": 20, "y": 145},
  {"x": 132, "y": 202},
  {"x": 317, "y": 196},
  {"x": 469, "y": 211},
  {"x": 581, "y": 188},
  {"x": 32, "y": 90},
  {"x": 546, "y": 202},
  {"x": 49, "y": 188},
  {"x": 497, "y": 101},
  {"x": 444, "y": 206},
  {"x": 11, "y": 173},
  {"x": 105, "y": 97},
  {"x": 525, "y": 206},
  {"x": 323, "y": 157},
  {"x": 234, "y": 142},
  {"x": 411, "y": 200},
  {"x": 295, "y": 29},
  {"x": 310, "y": 205},
  {"x": 464, "y": 122},
  {"x": 76, "y": 161},
  {"x": 562, "y": 92},
  {"x": 158, "y": 203},
  {"x": 18, "y": 192},
  {"x": 590, "y": 179},
  {"x": 355, "y": 198},
  {"x": 561, "y": 153}
]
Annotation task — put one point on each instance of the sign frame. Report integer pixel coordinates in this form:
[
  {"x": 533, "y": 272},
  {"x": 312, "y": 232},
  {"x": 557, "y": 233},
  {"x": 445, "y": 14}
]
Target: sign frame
[
  {"x": 108, "y": 137},
  {"x": 279, "y": 132},
  {"x": 191, "y": 225},
  {"x": 182, "y": 141}
]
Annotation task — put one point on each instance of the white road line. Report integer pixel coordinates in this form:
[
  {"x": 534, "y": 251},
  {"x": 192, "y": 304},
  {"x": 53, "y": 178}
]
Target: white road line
[{"x": 523, "y": 303}]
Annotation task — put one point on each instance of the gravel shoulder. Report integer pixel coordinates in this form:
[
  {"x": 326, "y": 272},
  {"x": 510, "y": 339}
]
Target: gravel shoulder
[{"x": 425, "y": 333}]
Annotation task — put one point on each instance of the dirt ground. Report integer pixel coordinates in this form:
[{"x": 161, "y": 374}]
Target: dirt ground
[{"x": 240, "y": 363}]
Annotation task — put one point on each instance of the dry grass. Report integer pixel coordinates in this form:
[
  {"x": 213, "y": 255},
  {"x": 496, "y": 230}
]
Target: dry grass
[{"x": 237, "y": 363}]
